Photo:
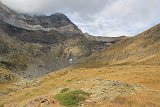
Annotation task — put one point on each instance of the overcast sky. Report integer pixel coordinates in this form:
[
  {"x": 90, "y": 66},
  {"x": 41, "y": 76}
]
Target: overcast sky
[{"x": 98, "y": 17}]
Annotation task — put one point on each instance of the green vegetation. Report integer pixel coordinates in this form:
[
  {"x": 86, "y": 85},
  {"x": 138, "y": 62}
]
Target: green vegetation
[
  {"x": 70, "y": 80},
  {"x": 72, "y": 98},
  {"x": 20, "y": 61},
  {"x": 6, "y": 76},
  {"x": 12, "y": 65},
  {"x": 64, "y": 90},
  {"x": 4, "y": 48},
  {"x": 15, "y": 62},
  {"x": 7, "y": 65}
]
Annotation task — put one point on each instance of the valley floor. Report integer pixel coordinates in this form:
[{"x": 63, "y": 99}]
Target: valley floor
[{"x": 110, "y": 86}]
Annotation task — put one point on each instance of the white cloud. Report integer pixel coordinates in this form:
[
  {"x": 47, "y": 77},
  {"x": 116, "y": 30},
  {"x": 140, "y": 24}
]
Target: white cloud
[
  {"x": 98, "y": 17},
  {"x": 50, "y": 6}
]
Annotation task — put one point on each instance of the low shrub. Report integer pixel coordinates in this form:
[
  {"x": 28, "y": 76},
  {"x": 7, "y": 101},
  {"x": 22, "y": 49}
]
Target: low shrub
[
  {"x": 64, "y": 90},
  {"x": 72, "y": 98}
]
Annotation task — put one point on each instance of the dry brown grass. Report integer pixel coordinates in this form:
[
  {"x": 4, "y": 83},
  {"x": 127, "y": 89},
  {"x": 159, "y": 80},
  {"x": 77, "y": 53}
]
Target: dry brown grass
[
  {"x": 145, "y": 76},
  {"x": 140, "y": 49}
]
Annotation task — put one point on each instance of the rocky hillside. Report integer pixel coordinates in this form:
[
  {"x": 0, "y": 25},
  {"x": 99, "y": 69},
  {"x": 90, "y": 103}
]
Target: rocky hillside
[
  {"x": 98, "y": 71},
  {"x": 104, "y": 39},
  {"x": 35, "y": 45},
  {"x": 57, "y": 22},
  {"x": 140, "y": 49}
]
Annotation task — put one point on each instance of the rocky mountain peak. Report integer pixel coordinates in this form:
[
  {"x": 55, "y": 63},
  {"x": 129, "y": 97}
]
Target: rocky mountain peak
[
  {"x": 3, "y": 7},
  {"x": 57, "y": 22}
]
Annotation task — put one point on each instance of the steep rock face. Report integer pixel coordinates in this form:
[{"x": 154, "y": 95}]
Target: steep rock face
[{"x": 57, "y": 22}]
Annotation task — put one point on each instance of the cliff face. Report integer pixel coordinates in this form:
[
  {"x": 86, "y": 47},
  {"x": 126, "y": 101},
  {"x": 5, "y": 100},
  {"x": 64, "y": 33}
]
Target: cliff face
[{"x": 57, "y": 22}]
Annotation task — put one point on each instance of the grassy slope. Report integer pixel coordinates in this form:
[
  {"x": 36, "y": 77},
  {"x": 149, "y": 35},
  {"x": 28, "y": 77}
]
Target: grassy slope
[
  {"x": 6, "y": 79},
  {"x": 6, "y": 76},
  {"x": 141, "y": 49},
  {"x": 145, "y": 76}
]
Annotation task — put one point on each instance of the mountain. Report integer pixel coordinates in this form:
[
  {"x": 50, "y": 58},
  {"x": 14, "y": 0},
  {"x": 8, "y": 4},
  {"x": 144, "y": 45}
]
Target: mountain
[
  {"x": 35, "y": 45},
  {"x": 125, "y": 74},
  {"x": 57, "y": 22},
  {"x": 140, "y": 49},
  {"x": 47, "y": 61}
]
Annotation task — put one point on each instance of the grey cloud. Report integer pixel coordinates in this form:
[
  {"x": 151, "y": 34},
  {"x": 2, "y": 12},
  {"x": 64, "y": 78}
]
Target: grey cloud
[
  {"x": 98, "y": 17},
  {"x": 129, "y": 17},
  {"x": 50, "y": 6}
]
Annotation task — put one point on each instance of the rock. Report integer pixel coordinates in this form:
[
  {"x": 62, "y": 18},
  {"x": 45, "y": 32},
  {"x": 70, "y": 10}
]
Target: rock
[
  {"x": 42, "y": 101},
  {"x": 104, "y": 90}
]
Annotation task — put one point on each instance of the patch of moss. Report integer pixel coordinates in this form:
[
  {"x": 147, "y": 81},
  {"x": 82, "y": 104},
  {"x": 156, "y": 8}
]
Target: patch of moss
[
  {"x": 72, "y": 98},
  {"x": 70, "y": 80},
  {"x": 64, "y": 90},
  {"x": 20, "y": 60},
  {"x": 7, "y": 65},
  {"x": 4, "y": 48},
  {"x": 12, "y": 65}
]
